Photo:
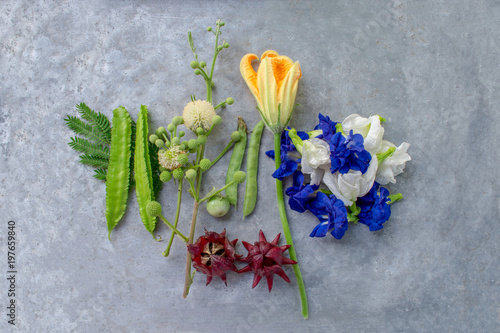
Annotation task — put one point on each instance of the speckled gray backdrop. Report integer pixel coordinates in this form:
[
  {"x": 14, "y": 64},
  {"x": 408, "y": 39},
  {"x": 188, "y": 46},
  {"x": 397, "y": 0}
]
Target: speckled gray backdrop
[{"x": 430, "y": 68}]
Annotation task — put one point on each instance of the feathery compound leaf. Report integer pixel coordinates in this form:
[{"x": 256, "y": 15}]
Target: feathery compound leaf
[
  {"x": 100, "y": 174},
  {"x": 85, "y": 146},
  {"x": 95, "y": 161},
  {"x": 80, "y": 127},
  {"x": 101, "y": 123}
]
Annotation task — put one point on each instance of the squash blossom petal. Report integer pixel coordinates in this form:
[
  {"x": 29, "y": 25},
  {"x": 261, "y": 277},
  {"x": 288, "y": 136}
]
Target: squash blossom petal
[{"x": 274, "y": 87}]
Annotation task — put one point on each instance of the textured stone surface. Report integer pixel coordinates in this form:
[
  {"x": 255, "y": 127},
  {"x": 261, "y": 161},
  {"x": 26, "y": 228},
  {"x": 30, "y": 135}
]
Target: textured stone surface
[{"x": 430, "y": 68}]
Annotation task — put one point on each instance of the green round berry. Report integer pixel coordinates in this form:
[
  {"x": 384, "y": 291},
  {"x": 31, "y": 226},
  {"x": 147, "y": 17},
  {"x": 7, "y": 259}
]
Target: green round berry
[
  {"x": 165, "y": 176},
  {"x": 239, "y": 176},
  {"x": 176, "y": 141},
  {"x": 159, "y": 143},
  {"x": 205, "y": 164},
  {"x": 153, "y": 208},
  {"x": 182, "y": 159},
  {"x": 171, "y": 127},
  {"x": 191, "y": 174},
  {"x": 153, "y": 138},
  {"x": 192, "y": 144},
  {"x": 194, "y": 64},
  {"x": 216, "y": 120},
  {"x": 226, "y": 45},
  {"x": 197, "y": 72},
  {"x": 230, "y": 101},
  {"x": 203, "y": 64},
  {"x": 177, "y": 120},
  {"x": 202, "y": 139},
  {"x": 200, "y": 131},
  {"x": 178, "y": 173},
  {"x": 209, "y": 29},
  {"x": 235, "y": 136},
  {"x": 181, "y": 134},
  {"x": 218, "y": 206}
]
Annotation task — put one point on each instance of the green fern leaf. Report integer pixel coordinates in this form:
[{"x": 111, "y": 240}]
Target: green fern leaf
[
  {"x": 85, "y": 146},
  {"x": 101, "y": 123},
  {"x": 95, "y": 161},
  {"x": 87, "y": 130},
  {"x": 101, "y": 174}
]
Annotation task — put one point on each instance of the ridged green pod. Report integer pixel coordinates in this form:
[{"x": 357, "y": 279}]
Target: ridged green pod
[
  {"x": 118, "y": 176},
  {"x": 252, "y": 168},
  {"x": 142, "y": 170},
  {"x": 235, "y": 162}
]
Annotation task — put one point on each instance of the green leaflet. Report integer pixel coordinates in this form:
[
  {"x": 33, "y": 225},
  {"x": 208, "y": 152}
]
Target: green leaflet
[
  {"x": 118, "y": 174},
  {"x": 142, "y": 170}
]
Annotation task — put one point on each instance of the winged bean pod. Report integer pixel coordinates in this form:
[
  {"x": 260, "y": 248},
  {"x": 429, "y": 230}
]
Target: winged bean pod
[
  {"x": 235, "y": 162},
  {"x": 142, "y": 170},
  {"x": 118, "y": 175},
  {"x": 252, "y": 167}
]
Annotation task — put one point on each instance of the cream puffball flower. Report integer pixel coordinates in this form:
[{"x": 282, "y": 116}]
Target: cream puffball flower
[
  {"x": 394, "y": 164},
  {"x": 351, "y": 185},
  {"x": 370, "y": 128},
  {"x": 198, "y": 114},
  {"x": 315, "y": 159},
  {"x": 169, "y": 159}
]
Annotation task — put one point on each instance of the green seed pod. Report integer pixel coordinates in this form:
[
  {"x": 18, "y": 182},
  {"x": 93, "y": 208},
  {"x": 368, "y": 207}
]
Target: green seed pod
[
  {"x": 178, "y": 173},
  {"x": 182, "y": 159},
  {"x": 235, "y": 136},
  {"x": 194, "y": 64},
  {"x": 165, "y": 176},
  {"x": 176, "y": 141},
  {"x": 159, "y": 143},
  {"x": 191, "y": 174},
  {"x": 153, "y": 209},
  {"x": 202, "y": 139},
  {"x": 192, "y": 144},
  {"x": 216, "y": 120},
  {"x": 230, "y": 101},
  {"x": 181, "y": 134},
  {"x": 239, "y": 176},
  {"x": 205, "y": 164},
  {"x": 199, "y": 131},
  {"x": 226, "y": 45},
  {"x": 178, "y": 120},
  {"x": 218, "y": 206},
  {"x": 203, "y": 64},
  {"x": 153, "y": 138},
  {"x": 197, "y": 72},
  {"x": 171, "y": 127}
]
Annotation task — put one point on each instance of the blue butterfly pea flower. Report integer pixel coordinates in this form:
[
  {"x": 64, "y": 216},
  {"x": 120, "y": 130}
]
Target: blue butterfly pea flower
[
  {"x": 348, "y": 153},
  {"x": 300, "y": 194},
  {"x": 332, "y": 215},
  {"x": 327, "y": 126},
  {"x": 290, "y": 157},
  {"x": 374, "y": 207}
]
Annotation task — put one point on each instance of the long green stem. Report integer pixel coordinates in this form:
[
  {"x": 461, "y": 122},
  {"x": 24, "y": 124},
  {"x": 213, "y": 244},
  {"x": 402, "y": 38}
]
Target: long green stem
[
  {"x": 229, "y": 145},
  {"x": 188, "y": 279},
  {"x": 286, "y": 228},
  {"x": 176, "y": 222},
  {"x": 174, "y": 229},
  {"x": 208, "y": 196}
]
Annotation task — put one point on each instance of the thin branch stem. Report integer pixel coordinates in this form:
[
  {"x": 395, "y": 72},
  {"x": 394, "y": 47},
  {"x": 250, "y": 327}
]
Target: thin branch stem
[
  {"x": 176, "y": 222},
  {"x": 188, "y": 279},
  {"x": 174, "y": 229},
  {"x": 224, "y": 151}
]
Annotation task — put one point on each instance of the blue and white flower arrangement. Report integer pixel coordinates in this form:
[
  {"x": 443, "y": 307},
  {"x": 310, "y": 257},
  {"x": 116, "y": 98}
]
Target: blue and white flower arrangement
[{"x": 345, "y": 164}]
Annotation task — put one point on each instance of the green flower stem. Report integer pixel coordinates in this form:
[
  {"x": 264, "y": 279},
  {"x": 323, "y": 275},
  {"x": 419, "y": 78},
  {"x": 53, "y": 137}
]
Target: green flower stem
[
  {"x": 286, "y": 228},
  {"x": 176, "y": 222},
  {"x": 188, "y": 278},
  {"x": 219, "y": 105},
  {"x": 224, "y": 151},
  {"x": 218, "y": 191},
  {"x": 174, "y": 229},
  {"x": 395, "y": 197}
]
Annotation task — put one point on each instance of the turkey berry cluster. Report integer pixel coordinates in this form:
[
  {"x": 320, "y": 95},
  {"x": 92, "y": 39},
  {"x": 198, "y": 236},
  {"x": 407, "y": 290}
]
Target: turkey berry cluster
[{"x": 214, "y": 254}]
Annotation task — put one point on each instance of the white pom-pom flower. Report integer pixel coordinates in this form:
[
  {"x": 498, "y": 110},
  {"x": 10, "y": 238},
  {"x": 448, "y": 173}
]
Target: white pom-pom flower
[
  {"x": 198, "y": 114},
  {"x": 370, "y": 128},
  {"x": 394, "y": 164},
  {"x": 169, "y": 159}
]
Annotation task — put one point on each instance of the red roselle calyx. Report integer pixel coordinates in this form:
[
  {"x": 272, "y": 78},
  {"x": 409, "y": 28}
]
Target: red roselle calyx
[
  {"x": 213, "y": 254},
  {"x": 266, "y": 259}
]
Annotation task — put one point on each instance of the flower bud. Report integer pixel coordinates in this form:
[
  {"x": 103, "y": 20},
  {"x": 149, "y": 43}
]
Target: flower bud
[
  {"x": 216, "y": 120},
  {"x": 235, "y": 136},
  {"x": 161, "y": 130},
  {"x": 219, "y": 48},
  {"x": 200, "y": 131},
  {"x": 191, "y": 174},
  {"x": 202, "y": 139},
  {"x": 171, "y": 127},
  {"x": 178, "y": 173},
  {"x": 194, "y": 64},
  {"x": 182, "y": 159},
  {"x": 225, "y": 45},
  {"x": 230, "y": 101},
  {"x": 153, "y": 138},
  {"x": 181, "y": 134},
  {"x": 197, "y": 72},
  {"x": 159, "y": 143},
  {"x": 165, "y": 176},
  {"x": 221, "y": 23},
  {"x": 209, "y": 29},
  {"x": 176, "y": 141},
  {"x": 167, "y": 144},
  {"x": 192, "y": 144},
  {"x": 153, "y": 208},
  {"x": 162, "y": 168},
  {"x": 177, "y": 120},
  {"x": 203, "y": 64},
  {"x": 205, "y": 164},
  {"x": 239, "y": 176}
]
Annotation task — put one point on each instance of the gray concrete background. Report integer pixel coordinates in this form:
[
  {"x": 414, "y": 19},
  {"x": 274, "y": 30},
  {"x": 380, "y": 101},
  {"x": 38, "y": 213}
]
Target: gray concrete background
[{"x": 430, "y": 68}]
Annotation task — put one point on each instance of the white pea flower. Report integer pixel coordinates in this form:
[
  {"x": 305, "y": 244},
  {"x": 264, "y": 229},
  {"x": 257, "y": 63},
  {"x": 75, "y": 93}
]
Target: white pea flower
[
  {"x": 370, "y": 128},
  {"x": 351, "y": 185},
  {"x": 394, "y": 164},
  {"x": 315, "y": 159}
]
